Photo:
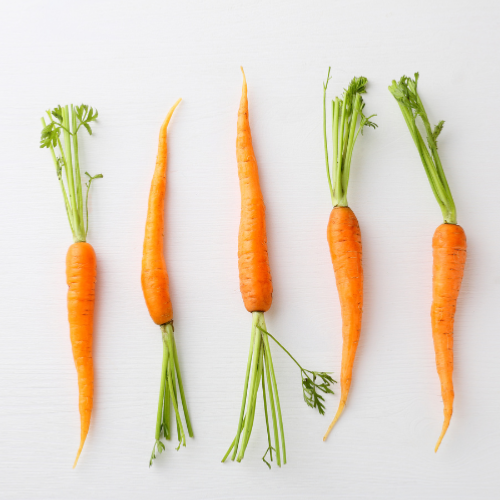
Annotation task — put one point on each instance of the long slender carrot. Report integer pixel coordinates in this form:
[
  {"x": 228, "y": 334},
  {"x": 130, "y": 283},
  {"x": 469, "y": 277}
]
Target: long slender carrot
[
  {"x": 343, "y": 233},
  {"x": 449, "y": 243},
  {"x": 81, "y": 259},
  {"x": 257, "y": 290},
  {"x": 81, "y": 276},
  {"x": 154, "y": 279}
]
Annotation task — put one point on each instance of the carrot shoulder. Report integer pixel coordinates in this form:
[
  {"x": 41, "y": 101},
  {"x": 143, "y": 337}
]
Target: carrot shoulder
[{"x": 253, "y": 260}]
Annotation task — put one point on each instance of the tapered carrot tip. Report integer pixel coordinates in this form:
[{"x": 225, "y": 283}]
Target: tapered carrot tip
[
  {"x": 82, "y": 442},
  {"x": 446, "y": 423},
  {"x": 334, "y": 421}
]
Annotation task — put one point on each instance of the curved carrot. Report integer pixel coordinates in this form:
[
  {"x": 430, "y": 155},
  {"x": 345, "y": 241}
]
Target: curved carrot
[
  {"x": 449, "y": 246},
  {"x": 154, "y": 280},
  {"x": 81, "y": 277},
  {"x": 449, "y": 242},
  {"x": 80, "y": 259},
  {"x": 154, "y": 277},
  {"x": 343, "y": 233},
  {"x": 253, "y": 261},
  {"x": 344, "y": 239}
]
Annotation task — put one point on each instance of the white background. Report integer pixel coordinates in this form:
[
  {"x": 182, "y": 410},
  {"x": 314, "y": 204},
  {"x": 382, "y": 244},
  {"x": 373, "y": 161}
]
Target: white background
[{"x": 132, "y": 60}]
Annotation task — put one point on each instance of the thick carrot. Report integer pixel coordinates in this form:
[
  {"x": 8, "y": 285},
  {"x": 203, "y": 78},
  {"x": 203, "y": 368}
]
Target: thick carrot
[
  {"x": 344, "y": 239},
  {"x": 449, "y": 246},
  {"x": 253, "y": 261},
  {"x": 80, "y": 259},
  {"x": 81, "y": 277},
  {"x": 154, "y": 280},
  {"x": 449, "y": 243},
  {"x": 343, "y": 233}
]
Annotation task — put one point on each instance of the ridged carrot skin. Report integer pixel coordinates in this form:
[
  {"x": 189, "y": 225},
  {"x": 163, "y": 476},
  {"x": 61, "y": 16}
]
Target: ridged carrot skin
[
  {"x": 154, "y": 277},
  {"x": 253, "y": 260},
  {"x": 344, "y": 240},
  {"x": 81, "y": 277},
  {"x": 449, "y": 246}
]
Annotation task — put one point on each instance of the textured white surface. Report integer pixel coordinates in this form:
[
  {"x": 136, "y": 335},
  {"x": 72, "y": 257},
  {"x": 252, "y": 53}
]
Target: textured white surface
[{"x": 132, "y": 60}]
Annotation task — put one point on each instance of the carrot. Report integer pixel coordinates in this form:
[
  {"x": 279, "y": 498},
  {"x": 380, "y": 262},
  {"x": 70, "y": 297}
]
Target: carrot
[
  {"x": 154, "y": 280},
  {"x": 343, "y": 233},
  {"x": 81, "y": 276},
  {"x": 81, "y": 259},
  {"x": 449, "y": 243},
  {"x": 257, "y": 290}
]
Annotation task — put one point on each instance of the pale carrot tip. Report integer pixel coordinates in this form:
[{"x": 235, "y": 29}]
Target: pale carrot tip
[
  {"x": 446, "y": 423},
  {"x": 334, "y": 421},
  {"x": 78, "y": 455}
]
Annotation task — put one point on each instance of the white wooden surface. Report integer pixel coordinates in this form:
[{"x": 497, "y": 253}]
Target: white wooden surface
[{"x": 132, "y": 60}]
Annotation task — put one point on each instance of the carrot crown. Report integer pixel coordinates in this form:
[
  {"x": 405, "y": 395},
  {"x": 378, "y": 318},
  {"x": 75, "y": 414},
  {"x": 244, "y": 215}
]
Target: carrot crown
[
  {"x": 345, "y": 131},
  {"x": 405, "y": 92},
  {"x": 69, "y": 120}
]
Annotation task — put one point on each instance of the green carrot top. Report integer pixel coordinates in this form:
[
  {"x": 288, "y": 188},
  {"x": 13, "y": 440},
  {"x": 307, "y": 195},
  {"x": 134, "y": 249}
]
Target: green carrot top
[
  {"x": 345, "y": 131},
  {"x": 405, "y": 92},
  {"x": 69, "y": 120}
]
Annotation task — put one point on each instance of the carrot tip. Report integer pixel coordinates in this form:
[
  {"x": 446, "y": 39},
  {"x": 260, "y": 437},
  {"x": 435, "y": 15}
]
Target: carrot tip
[
  {"x": 334, "y": 421},
  {"x": 446, "y": 423}
]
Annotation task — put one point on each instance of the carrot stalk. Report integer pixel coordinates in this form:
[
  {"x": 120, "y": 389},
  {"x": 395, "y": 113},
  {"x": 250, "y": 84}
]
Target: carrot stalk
[
  {"x": 343, "y": 234},
  {"x": 449, "y": 242},
  {"x": 80, "y": 259}
]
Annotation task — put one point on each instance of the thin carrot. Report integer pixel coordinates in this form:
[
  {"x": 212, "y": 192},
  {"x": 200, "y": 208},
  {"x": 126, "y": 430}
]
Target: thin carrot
[
  {"x": 449, "y": 243},
  {"x": 257, "y": 289},
  {"x": 343, "y": 233},
  {"x": 154, "y": 279},
  {"x": 81, "y": 259},
  {"x": 81, "y": 276}
]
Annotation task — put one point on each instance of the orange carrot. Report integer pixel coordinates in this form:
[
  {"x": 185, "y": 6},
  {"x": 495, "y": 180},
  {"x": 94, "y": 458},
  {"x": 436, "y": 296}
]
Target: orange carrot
[
  {"x": 154, "y": 279},
  {"x": 449, "y": 246},
  {"x": 344, "y": 239},
  {"x": 449, "y": 242},
  {"x": 253, "y": 261},
  {"x": 81, "y": 258},
  {"x": 81, "y": 276},
  {"x": 343, "y": 233},
  {"x": 257, "y": 291}
]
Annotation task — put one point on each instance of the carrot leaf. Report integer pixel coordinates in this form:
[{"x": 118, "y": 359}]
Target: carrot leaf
[
  {"x": 60, "y": 136},
  {"x": 406, "y": 94},
  {"x": 310, "y": 388},
  {"x": 345, "y": 131}
]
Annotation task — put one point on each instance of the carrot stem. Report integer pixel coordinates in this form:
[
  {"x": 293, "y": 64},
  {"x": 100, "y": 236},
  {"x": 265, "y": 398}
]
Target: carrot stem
[
  {"x": 245, "y": 390},
  {"x": 173, "y": 350}
]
